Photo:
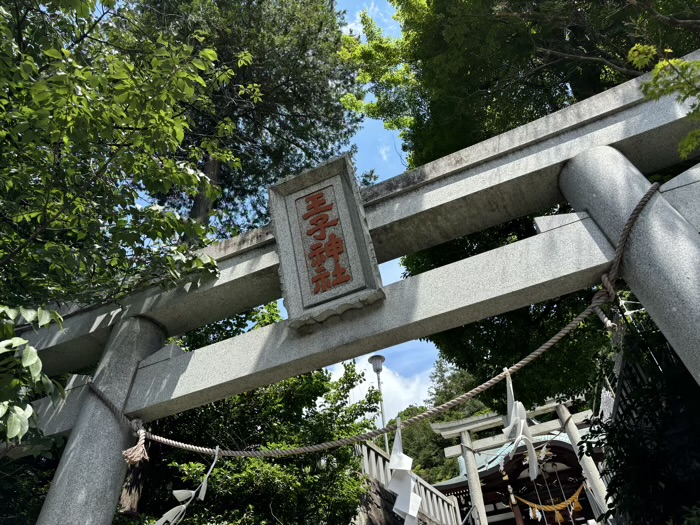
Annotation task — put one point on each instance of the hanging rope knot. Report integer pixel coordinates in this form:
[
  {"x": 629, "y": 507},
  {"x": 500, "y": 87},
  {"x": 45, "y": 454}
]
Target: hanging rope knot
[
  {"x": 136, "y": 426},
  {"x": 137, "y": 453},
  {"x": 609, "y": 288}
]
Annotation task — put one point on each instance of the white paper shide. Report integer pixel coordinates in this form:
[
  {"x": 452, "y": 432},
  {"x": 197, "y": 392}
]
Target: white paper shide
[{"x": 402, "y": 481}]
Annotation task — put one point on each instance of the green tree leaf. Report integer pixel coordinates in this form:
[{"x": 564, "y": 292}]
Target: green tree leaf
[
  {"x": 16, "y": 423},
  {"x": 209, "y": 54},
  {"x": 44, "y": 317},
  {"x": 28, "y": 314},
  {"x": 53, "y": 53},
  {"x": 29, "y": 356}
]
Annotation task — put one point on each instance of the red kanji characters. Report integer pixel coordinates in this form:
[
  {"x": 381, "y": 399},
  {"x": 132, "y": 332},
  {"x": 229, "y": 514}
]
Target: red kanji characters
[
  {"x": 321, "y": 223},
  {"x": 317, "y": 214},
  {"x": 322, "y": 280},
  {"x": 320, "y": 253},
  {"x": 316, "y": 203},
  {"x": 335, "y": 247},
  {"x": 340, "y": 275},
  {"x": 316, "y": 209}
]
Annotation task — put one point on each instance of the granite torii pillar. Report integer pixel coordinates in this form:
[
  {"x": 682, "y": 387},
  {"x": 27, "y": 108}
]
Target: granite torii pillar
[
  {"x": 87, "y": 484},
  {"x": 661, "y": 262},
  {"x": 473, "y": 479},
  {"x": 590, "y": 470}
]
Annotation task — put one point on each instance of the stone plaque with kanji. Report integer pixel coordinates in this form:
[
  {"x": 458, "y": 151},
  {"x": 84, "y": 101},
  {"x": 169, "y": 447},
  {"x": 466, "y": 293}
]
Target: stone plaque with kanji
[{"x": 327, "y": 261}]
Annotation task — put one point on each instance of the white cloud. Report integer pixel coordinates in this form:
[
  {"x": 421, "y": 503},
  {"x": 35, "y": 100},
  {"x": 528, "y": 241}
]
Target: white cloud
[
  {"x": 399, "y": 392},
  {"x": 381, "y": 12},
  {"x": 355, "y": 26},
  {"x": 384, "y": 152}
]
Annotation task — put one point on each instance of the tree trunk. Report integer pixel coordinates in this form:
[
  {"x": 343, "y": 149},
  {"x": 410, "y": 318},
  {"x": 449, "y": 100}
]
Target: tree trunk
[{"x": 202, "y": 205}]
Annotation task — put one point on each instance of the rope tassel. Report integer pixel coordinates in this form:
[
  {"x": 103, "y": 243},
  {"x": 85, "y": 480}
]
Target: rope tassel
[{"x": 137, "y": 453}]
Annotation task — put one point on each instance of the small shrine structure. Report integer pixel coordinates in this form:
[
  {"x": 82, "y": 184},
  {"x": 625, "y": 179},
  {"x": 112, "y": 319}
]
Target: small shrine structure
[{"x": 493, "y": 485}]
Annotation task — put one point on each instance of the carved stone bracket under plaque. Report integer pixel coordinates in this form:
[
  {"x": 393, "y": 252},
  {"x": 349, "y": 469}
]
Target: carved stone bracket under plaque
[{"x": 327, "y": 261}]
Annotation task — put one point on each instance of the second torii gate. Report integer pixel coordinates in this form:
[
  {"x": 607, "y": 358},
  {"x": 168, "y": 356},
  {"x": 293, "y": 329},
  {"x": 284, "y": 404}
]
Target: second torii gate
[
  {"x": 469, "y": 448},
  {"x": 589, "y": 154}
]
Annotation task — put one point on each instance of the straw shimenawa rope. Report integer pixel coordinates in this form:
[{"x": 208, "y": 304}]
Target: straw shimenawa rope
[
  {"x": 606, "y": 294},
  {"x": 553, "y": 508}
]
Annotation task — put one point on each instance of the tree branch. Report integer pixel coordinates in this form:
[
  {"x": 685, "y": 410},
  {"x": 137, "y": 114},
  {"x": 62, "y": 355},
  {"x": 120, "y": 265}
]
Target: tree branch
[
  {"x": 693, "y": 25},
  {"x": 623, "y": 70},
  {"x": 47, "y": 222}
]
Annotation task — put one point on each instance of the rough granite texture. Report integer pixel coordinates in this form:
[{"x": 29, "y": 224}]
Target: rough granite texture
[
  {"x": 535, "y": 269},
  {"x": 346, "y": 220},
  {"x": 550, "y": 222},
  {"x": 683, "y": 193},
  {"x": 57, "y": 419},
  {"x": 661, "y": 264},
  {"x": 86, "y": 487}
]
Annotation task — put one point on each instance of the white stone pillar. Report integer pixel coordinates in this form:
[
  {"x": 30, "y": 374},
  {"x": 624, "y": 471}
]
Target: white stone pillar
[
  {"x": 661, "y": 262},
  {"x": 477, "y": 498},
  {"x": 86, "y": 487},
  {"x": 590, "y": 470}
]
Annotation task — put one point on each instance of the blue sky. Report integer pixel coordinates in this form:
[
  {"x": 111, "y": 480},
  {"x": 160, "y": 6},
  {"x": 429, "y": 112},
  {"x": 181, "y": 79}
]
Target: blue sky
[{"x": 408, "y": 366}]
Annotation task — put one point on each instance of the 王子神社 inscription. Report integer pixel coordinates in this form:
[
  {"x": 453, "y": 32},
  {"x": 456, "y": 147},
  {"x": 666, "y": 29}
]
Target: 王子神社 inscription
[
  {"x": 327, "y": 261},
  {"x": 324, "y": 241}
]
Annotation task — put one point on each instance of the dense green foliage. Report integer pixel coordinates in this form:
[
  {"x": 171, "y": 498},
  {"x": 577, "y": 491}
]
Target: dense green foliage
[
  {"x": 92, "y": 123},
  {"x": 298, "y": 120},
  {"x": 123, "y": 126},
  {"x": 24, "y": 484},
  {"x": 675, "y": 77},
  {"x": 126, "y": 134},
  {"x": 651, "y": 454},
  {"x": 312, "y": 488},
  {"x": 466, "y": 70}
]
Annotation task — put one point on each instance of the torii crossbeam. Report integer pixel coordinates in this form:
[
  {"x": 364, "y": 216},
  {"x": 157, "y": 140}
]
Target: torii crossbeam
[{"x": 589, "y": 154}]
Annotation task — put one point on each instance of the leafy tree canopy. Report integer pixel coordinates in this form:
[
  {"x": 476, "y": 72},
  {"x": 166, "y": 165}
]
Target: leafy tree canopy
[
  {"x": 297, "y": 119},
  {"x": 464, "y": 71},
  {"x": 420, "y": 441},
  {"x": 93, "y": 115},
  {"x": 312, "y": 488}
]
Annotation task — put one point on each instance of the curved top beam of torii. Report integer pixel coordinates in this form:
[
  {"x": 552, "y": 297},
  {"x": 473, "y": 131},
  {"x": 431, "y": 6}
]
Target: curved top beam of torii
[
  {"x": 500, "y": 179},
  {"x": 462, "y": 193}
]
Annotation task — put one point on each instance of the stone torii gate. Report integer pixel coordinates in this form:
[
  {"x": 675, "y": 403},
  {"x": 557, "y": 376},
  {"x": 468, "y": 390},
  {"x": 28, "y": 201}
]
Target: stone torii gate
[{"x": 592, "y": 154}]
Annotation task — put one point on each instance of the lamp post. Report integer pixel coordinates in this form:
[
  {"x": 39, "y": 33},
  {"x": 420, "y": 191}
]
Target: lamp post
[{"x": 377, "y": 361}]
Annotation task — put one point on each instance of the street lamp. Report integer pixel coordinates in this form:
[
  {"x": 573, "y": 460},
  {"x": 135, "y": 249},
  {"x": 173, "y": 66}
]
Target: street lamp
[{"x": 377, "y": 361}]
